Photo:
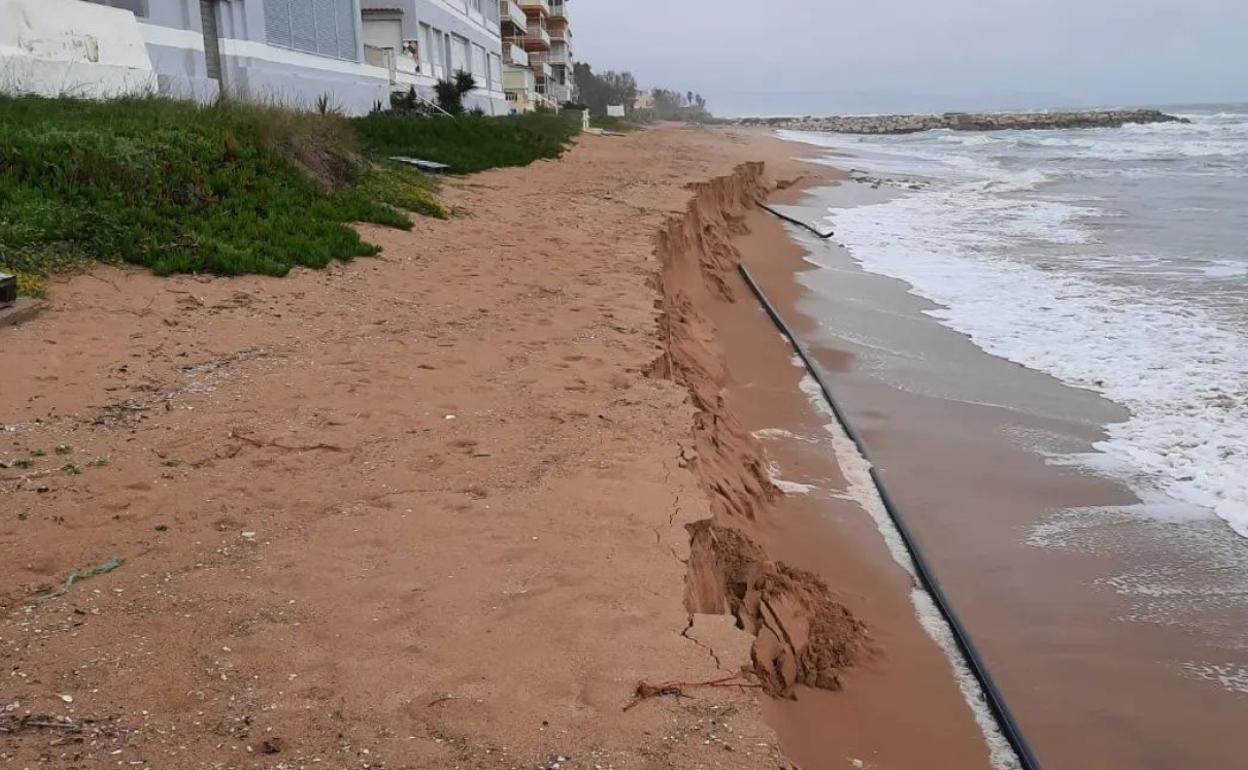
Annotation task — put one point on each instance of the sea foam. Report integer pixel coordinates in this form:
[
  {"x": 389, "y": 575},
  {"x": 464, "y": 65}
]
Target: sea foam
[{"x": 968, "y": 243}]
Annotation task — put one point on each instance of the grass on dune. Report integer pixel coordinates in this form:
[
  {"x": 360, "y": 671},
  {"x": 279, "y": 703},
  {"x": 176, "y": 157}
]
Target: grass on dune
[
  {"x": 178, "y": 187},
  {"x": 470, "y": 143},
  {"x": 613, "y": 123},
  {"x": 229, "y": 188}
]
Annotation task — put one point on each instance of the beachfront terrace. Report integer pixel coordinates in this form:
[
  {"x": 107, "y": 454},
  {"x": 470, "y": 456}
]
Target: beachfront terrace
[
  {"x": 514, "y": 53},
  {"x": 512, "y": 14},
  {"x": 541, "y": 68},
  {"x": 560, "y": 53},
  {"x": 537, "y": 37},
  {"x": 536, "y": 7}
]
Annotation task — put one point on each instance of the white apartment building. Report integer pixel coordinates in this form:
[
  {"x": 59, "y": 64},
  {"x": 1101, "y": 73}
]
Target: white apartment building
[
  {"x": 428, "y": 40},
  {"x": 537, "y": 53},
  {"x": 286, "y": 51}
]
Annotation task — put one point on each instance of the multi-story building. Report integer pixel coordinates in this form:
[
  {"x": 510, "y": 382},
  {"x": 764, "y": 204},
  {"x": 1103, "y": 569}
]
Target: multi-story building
[
  {"x": 428, "y": 40},
  {"x": 288, "y": 51},
  {"x": 537, "y": 52},
  {"x": 297, "y": 52},
  {"x": 562, "y": 85},
  {"x": 519, "y": 79}
]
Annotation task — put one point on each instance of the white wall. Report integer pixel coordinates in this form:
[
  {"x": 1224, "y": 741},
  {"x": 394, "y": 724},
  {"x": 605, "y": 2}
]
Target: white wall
[{"x": 67, "y": 47}]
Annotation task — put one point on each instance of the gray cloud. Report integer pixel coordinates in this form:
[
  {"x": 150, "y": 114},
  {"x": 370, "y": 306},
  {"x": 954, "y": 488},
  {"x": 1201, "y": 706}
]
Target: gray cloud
[{"x": 784, "y": 56}]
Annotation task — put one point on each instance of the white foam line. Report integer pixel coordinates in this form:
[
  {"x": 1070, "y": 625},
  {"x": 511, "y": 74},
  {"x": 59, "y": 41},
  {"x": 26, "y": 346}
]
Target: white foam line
[{"x": 857, "y": 472}]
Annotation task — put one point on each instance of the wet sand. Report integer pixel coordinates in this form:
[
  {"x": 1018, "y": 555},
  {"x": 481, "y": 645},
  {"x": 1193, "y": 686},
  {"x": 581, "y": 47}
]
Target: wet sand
[
  {"x": 885, "y": 717},
  {"x": 1053, "y": 598}
]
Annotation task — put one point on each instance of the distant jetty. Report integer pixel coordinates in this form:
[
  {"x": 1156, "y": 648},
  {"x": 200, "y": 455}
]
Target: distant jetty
[{"x": 964, "y": 121}]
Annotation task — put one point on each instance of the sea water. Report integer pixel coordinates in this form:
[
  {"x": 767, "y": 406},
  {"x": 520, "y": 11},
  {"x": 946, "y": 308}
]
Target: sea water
[{"x": 1113, "y": 259}]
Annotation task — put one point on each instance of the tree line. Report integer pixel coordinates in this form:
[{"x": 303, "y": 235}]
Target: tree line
[{"x": 599, "y": 90}]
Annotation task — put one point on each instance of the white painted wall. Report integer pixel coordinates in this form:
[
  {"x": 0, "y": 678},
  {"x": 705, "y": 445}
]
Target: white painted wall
[{"x": 67, "y": 47}]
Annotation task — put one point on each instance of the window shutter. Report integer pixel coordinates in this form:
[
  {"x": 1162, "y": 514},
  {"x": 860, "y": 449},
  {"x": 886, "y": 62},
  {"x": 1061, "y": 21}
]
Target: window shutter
[
  {"x": 347, "y": 16},
  {"x": 325, "y": 27},
  {"x": 303, "y": 25},
  {"x": 277, "y": 22}
]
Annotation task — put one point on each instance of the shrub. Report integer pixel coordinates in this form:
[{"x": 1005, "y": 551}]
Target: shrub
[
  {"x": 177, "y": 187},
  {"x": 470, "y": 143}
]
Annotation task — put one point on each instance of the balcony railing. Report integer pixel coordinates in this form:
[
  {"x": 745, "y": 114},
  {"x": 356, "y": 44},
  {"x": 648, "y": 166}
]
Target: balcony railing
[
  {"x": 541, "y": 7},
  {"x": 514, "y": 53},
  {"x": 513, "y": 14},
  {"x": 537, "y": 39},
  {"x": 558, "y": 9}
]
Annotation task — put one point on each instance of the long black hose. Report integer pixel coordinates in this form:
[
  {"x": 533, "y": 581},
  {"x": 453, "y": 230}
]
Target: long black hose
[
  {"x": 797, "y": 222},
  {"x": 996, "y": 702}
]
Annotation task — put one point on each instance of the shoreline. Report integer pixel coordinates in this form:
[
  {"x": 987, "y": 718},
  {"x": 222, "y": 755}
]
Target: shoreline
[
  {"x": 1056, "y": 614},
  {"x": 904, "y": 678}
]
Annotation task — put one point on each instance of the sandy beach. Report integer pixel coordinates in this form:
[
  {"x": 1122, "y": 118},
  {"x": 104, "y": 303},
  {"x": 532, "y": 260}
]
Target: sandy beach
[{"x": 503, "y": 496}]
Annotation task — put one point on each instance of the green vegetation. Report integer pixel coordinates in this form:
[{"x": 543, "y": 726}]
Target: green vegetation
[
  {"x": 229, "y": 188},
  {"x": 612, "y": 123},
  {"x": 451, "y": 92},
  {"x": 470, "y": 143}
]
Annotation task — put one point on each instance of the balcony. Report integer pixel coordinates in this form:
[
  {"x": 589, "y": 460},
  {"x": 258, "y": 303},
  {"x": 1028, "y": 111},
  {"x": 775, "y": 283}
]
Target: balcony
[
  {"x": 514, "y": 53},
  {"x": 561, "y": 93},
  {"x": 540, "y": 8},
  {"x": 512, "y": 14},
  {"x": 541, "y": 68},
  {"x": 559, "y": 54},
  {"x": 537, "y": 38},
  {"x": 558, "y": 9}
]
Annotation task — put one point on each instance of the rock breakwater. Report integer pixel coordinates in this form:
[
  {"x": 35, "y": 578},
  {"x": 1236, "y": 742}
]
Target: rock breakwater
[{"x": 964, "y": 121}]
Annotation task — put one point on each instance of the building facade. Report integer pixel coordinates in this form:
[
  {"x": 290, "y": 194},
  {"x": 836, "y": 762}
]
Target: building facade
[
  {"x": 286, "y": 51},
  {"x": 433, "y": 39},
  {"x": 294, "y": 52},
  {"x": 561, "y": 86},
  {"x": 537, "y": 53}
]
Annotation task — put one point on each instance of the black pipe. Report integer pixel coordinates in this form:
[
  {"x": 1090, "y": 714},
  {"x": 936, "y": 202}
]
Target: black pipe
[
  {"x": 798, "y": 222},
  {"x": 996, "y": 701}
]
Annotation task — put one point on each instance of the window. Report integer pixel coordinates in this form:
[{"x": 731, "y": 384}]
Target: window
[
  {"x": 480, "y": 65},
  {"x": 496, "y": 71},
  {"x": 436, "y": 48},
  {"x": 324, "y": 27},
  {"x": 459, "y": 54}
]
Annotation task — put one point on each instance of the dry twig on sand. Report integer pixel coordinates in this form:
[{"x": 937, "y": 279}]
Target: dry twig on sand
[{"x": 646, "y": 691}]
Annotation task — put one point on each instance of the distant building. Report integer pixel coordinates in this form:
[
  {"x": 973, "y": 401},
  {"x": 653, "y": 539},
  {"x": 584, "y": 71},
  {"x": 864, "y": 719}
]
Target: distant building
[
  {"x": 293, "y": 52},
  {"x": 562, "y": 86},
  {"x": 537, "y": 53}
]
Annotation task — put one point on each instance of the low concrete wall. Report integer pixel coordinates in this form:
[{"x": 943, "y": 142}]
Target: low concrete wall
[{"x": 71, "y": 48}]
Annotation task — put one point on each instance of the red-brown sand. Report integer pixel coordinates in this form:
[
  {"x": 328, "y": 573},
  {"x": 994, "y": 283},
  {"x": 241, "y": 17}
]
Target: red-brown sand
[{"x": 490, "y": 500}]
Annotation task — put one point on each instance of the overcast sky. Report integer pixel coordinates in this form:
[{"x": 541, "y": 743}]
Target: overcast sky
[{"x": 798, "y": 56}]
